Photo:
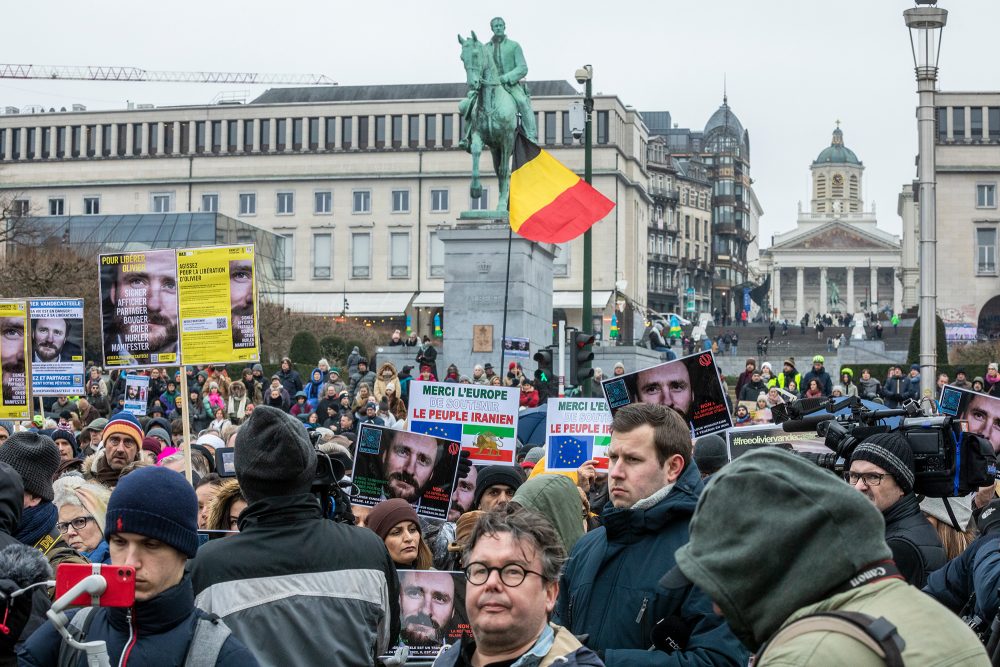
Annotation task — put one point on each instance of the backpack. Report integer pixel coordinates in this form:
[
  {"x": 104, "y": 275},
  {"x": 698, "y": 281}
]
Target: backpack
[
  {"x": 877, "y": 634},
  {"x": 210, "y": 633}
]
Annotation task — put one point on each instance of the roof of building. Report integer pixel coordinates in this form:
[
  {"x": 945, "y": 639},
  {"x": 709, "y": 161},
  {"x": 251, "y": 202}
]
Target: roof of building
[
  {"x": 837, "y": 152},
  {"x": 725, "y": 118},
  {"x": 404, "y": 91}
]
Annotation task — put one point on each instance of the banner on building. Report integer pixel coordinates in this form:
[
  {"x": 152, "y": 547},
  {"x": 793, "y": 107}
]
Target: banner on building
[
  {"x": 139, "y": 308},
  {"x": 690, "y": 386},
  {"x": 136, "y": 394},
  {"x": 577, "y": 430},
  {"x": 482, "y": 418},
  {"x": 15, "y": 365},
  {"x": 218, "y": 305},
  {"x": 56, "y": 347}
]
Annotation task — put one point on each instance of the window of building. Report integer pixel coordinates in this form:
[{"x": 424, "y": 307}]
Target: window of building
[
  {"x": 92, "y": 205},
  {"x": 361, "y": 255},
  {"x": 447, "y": 129},
  {"x": 280, "y": 134},
  {"x": 399, "y": 255},
  {"x": 322, "y": 256},
  {"x": 297, "y": 134},
  {"x": 323, "y": 202},
  {"x": 284, "y": 256},
  {"x": 57, "y": 206},
  {"x": 560, "y": 263},
  {"x": 265, "y": 134},
  {"x": 439, "y": 201},
  {"x": 397, "y": 131},
  {"x": 31, "y": 143},
  {"x": 362, "y": 132},
  {"x": 550, "y": 127},
  {"x": 91, "y": 141},
  {"x": 210, "y": 203},
  {"x": 20, "y": 208},
  {"x": 379, "y": 131},
  {"x": 986, "y": 251},
  {"x": 105, "y": 141},
  {"x": 362, "y": 201},
  {"x": 331, "y": 132},
  {"x": 687, "y": 226},
  {"x": 976, "y": 122},
  {"x": 185, "y": 138},
  {"x": 60, "y": 141},
  {"x": 231, "y": 128},
  {"x": 248, "y": 130},
  {"x": 248, "y": 203},
  {"x": 697, "y": 229},
  {"x": 986, "y": 195},
  {"x": 941, "y": 123},
  {"x": 346, "y": 129},
  {"x": 435, "y": 267},
  {"x": 286, "y": 203},
  {"x": 993, "y": 118},
  {"x": 400, "y": 201},
  {"x": 161, "y": 202},
  {"x": 216, "y": 136},
  {"x": 480, "y": 203},
  {"x": 567, "y": 131},
  {"x": 413, "y": 131},
  {"x": 430, "y": 130},
  {"x": 199, "y": 137},
  {"x": 154, "y": 138},
  {"x": 602, "y": 127},
  {"x": 958, "y": 123}
]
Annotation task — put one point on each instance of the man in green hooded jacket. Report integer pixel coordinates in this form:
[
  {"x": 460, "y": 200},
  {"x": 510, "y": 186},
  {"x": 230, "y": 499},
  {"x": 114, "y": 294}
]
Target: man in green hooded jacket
[{"x": 776, "y": 538}]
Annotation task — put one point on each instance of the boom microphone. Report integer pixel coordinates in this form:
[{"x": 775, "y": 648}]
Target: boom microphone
[
  {"x": 24, "y": 565},
  {"x": 806, "y": 423}
]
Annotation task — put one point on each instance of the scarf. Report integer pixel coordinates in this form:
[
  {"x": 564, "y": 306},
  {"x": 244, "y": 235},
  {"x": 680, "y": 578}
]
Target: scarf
[
  {"x": 104, "y": 473},
  {"x": 36, "y": 523},
  {"x": 100, "y": 554}
]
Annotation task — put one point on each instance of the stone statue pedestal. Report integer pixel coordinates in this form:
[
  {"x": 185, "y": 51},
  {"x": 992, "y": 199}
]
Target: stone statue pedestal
[{"x": 475, "y": 265}]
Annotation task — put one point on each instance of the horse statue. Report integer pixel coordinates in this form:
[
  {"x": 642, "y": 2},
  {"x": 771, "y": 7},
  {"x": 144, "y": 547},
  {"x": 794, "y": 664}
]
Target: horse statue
[{"x": 490, "y": 115}]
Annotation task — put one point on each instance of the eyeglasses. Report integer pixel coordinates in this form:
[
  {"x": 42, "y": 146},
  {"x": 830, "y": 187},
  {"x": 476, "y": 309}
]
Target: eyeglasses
[
  {"x": 511, "y": 575},
  {"x": 79, "y": 523},
  {"x": 869, "y": 478}
]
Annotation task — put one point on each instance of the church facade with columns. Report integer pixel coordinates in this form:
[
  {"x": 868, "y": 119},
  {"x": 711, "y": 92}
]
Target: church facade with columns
[{"x": 836, "y": 259}]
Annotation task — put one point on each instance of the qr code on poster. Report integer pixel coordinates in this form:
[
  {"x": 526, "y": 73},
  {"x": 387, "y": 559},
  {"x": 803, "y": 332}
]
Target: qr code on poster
[
  {"x": 220, "y": 323},
  {"x": 617, "y": 394},
  {"x": 951, "y": 399},
  {"x": 371, "y": 441}
]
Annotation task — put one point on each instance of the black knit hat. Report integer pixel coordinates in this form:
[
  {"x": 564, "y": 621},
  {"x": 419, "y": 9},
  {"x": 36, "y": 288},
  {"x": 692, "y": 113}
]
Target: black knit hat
[
  {"x": 491, "y": 475},
  {"x": 890, "y": 452},
  {"x": 710, "y": 453},
  {"x": 158, "y": 503},
  {"x": 273, "y": 455},
  {"x": 35, "y": 457}
]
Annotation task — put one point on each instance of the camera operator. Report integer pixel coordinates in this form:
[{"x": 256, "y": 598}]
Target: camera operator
[
  {"x": 968, "y": 584},
  {"x": 882, "y": 469},
  {"x": 296, "y": 588}
]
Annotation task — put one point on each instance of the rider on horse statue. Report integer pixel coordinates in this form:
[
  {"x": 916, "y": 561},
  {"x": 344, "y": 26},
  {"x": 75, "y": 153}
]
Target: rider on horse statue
[{"x": 512, "y": 68}]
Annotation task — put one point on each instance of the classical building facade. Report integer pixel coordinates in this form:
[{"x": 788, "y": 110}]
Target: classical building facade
[
  {"x": 836, "y": 259},
  {"x": 727, "y": 219},
  {"x": 967, "y": 146},
  {"x": 355, "y": 180}
]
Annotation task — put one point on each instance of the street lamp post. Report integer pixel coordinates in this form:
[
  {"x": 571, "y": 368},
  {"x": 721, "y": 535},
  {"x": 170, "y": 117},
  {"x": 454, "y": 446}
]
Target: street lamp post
[
  {"x": 585, "y": 75},
  {"x": 925, "y": 23}
]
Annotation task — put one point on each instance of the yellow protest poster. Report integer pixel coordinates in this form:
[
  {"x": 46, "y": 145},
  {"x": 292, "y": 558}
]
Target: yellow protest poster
[
  {"x": 217, "y": 295},
  {"x": 15, "y": 362}
]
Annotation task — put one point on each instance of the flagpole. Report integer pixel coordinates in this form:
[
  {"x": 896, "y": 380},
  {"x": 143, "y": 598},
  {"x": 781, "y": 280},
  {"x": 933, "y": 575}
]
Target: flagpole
[{"x": 506, "y": 293}]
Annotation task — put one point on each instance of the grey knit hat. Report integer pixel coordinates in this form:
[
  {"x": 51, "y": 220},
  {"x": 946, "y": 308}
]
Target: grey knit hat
[
  {"x": 36, "y": 458},
  {"x": 273, "y": 455},
  {"x": 890, "y": 452}
]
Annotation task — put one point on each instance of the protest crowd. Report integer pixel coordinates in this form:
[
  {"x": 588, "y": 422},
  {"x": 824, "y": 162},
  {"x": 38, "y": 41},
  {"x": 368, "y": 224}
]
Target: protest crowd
[{"x": 664, "y": 551}]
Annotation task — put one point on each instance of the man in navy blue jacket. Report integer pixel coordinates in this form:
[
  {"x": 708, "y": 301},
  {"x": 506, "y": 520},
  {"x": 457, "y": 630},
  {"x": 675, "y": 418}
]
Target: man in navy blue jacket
[
  {"x": 610, "y": 588},
  {"x": 152, "y": 525}
]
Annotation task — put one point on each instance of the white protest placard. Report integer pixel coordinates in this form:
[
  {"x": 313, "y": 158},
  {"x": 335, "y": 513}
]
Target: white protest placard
[
  {"x": 577, "y": 430},
  {"x": 482, "y": 418},
  {"x": 136, "y": 393}
]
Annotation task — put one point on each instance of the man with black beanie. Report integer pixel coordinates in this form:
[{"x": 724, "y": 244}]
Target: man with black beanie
[
  {"x": 296, "y": 588},
  {"x": 710, "y": 454},
  {"x": 495, "y": 487},
  {"x": 882, "y": 469}
]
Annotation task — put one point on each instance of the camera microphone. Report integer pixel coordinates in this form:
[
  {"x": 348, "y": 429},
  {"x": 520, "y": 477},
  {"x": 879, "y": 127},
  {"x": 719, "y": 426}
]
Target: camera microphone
[
  {"x": 671, "y": 634},
  {"x": 24, "y": 565},
  {"x": 806, "y": 423}
]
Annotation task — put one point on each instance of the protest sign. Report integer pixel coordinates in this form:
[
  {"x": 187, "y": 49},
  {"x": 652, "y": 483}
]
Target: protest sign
[
  {"x": 139, "y": 308},
  {"x": 15, "y": 389},
  {"x": 516, "y": 347},
  {"x": 218, "y": 305},
  {"x": 979, "y": 413},
  {"x": 577, "y": 430},
  {"x": 420, "y": 469},
  {"x": 482, "y": 418},
  {"x": 56, "y": 346},
  {"x": 741, "y": 440},
  {"x": 431, "y": 611},
  {"x": 136, "y": 394},
  {"x": 690, "y": 385}
]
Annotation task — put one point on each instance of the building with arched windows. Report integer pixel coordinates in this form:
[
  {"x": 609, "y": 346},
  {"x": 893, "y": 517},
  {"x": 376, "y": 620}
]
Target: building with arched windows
[{"x": 836, "y": 259}]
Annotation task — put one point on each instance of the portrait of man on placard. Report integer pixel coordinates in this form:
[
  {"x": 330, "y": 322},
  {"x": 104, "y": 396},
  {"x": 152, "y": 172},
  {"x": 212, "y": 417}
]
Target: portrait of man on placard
[
  {"x": 52, "y": 340},
  {"x": 139, "y": 307},
  {"x": 241, "y": 302}
]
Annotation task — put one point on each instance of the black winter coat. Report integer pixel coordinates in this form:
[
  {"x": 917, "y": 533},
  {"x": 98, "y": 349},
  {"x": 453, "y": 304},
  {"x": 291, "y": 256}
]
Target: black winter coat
[{"x": 915, "y": 544}]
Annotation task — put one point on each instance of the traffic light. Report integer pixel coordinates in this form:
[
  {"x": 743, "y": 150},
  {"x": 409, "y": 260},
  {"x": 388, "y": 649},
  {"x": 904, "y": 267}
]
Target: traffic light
[
  {"x": 580, "y": 356},
  {"x": 545, "y": 376}
]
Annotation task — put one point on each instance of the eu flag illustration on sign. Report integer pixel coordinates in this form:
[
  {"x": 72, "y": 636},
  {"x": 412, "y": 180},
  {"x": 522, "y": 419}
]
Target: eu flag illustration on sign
[
  {"x": 570, "y": 451},
  {"x": 438, "y": 429}
]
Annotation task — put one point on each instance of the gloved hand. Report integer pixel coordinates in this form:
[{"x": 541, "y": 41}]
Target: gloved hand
[{"x": 464, "y": 464}]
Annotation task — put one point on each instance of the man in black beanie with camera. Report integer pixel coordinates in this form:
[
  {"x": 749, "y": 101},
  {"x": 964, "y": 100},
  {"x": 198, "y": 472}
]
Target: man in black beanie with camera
[
  {"x": 882, "y": 469},
  {"x": 296, "y": 588}
]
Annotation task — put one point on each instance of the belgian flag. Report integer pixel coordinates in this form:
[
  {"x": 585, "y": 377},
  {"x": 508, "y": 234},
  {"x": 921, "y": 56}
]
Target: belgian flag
[{"x": 548, "y": 202}]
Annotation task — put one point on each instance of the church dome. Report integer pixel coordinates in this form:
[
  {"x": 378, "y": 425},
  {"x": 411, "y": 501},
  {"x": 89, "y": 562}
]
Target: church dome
[
  {"x": 724, "y": 118},
  {"x": 837, "y": 152}
]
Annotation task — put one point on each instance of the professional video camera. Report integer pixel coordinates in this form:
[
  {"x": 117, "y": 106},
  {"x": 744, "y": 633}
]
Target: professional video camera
[
  {"x": 949, "y": 462},
  {"x": 330, "y": 471}
]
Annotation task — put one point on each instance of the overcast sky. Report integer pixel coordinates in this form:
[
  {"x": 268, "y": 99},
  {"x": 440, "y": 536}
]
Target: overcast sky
[{"x": 793, "y": 67}]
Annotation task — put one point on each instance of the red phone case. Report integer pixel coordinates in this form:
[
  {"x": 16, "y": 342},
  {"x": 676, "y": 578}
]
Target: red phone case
[{"x": 121, "y": 583}]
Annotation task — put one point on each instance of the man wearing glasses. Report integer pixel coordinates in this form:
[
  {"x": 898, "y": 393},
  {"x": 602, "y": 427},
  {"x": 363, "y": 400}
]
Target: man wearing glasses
[
  {"x": 882, "y": 469},
  {"x": 512, "y": 564}
]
